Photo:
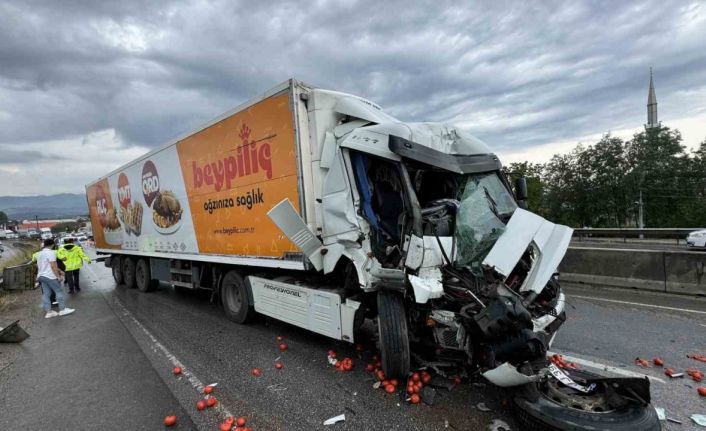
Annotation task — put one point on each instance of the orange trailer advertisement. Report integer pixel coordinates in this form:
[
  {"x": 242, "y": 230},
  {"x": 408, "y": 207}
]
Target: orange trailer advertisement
[
  {"x": 235, "y": 171},
  {"x": 208, "y": 193}
]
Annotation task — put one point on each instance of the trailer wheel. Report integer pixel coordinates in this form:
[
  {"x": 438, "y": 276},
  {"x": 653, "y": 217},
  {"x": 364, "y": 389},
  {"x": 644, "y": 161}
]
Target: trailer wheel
[
  {"x": 234, "y": 297},
  {"x": 394, "y": 339},
  {"x": 143, "y": 277},
  {"x": 128, "y": 267},
  {"x": 116, "y": 269}
]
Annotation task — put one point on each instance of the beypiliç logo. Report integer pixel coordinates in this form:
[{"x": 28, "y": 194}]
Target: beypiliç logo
[
  {"x": 150, "y": 182},
  {"x": 250, "y": 157}
]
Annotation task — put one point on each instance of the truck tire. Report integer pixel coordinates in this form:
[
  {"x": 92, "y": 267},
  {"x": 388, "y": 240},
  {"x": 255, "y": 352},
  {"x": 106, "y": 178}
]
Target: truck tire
[
  {"x": 535, "y": 410},
  {"x": 116, "y": 268},
  {"x": 143, "y": 276},
  {"x": 394, "y": 339},
  {"x": 128, "y": 267},
  {"x": 234, "y": 297}
]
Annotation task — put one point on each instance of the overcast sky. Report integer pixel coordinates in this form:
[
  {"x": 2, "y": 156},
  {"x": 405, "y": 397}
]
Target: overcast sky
[{"x": 86, "y": 86}]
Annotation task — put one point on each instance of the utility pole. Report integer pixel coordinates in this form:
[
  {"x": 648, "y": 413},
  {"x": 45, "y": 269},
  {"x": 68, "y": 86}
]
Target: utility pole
[{"x": 641, "y": 220}]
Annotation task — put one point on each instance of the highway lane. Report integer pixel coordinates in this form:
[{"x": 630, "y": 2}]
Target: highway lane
[{"x": 185, "y": 327}]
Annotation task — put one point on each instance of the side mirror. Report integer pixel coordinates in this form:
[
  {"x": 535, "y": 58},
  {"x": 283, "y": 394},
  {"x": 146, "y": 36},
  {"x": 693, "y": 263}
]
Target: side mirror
[{"x": 521, "y": 192}]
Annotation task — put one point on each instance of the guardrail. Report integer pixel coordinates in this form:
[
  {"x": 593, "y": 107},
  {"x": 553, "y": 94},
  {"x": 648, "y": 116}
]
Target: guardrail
[{"x": 625, "y": 233}]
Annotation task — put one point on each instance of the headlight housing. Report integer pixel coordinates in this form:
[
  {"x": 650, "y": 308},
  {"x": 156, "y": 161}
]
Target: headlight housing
[{"x": 697, "y": 234}]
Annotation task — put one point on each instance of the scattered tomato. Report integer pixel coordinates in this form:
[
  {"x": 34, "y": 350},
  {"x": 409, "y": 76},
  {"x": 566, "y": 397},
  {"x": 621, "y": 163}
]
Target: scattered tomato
[
  {"x": 389, "y": 389},
  {"x": 378, "y": 364},
  {"x": 658, "y": 362},
  {"x": 229, "y": 420},
  {"x": 240, "y": 421},
  {"x": 176, "y": 371},
  {"x": 410, "y": 389},
  {"x": 414, "y": 399},
  {"x": 332, "y": 354},
  {"x": 347, "y": 366},
  {"x": 211, "y": 401},
  {"x": 419, "y": 385},
  {"x": 170, "y": 420},
  {"x": 200, "y": 405},
  {"x": 394, "y": 382},
  {"x": 278, "y": 365},
  {"x": 669, "y": 371},
  {"x": 380, "y": 375},
  {"x": 256, "y": 372},
  {"x": 702, "y": 391},
  {"x": 282, "y": 347},
  {"x": 207, "y": 389},
  {"x": 226, "y": 426},
  {"x": 369, "y": 368},
  {"x": 426, "y": 378},
  {"x": 415, "y": 377}
]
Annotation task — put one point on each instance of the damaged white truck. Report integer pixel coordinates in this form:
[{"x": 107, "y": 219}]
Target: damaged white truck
[{"x": 319, "y": 209}]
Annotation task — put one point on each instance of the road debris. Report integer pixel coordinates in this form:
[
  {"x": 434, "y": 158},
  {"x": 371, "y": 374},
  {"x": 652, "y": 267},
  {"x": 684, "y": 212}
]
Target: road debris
[
  {"x": 170, "y": 421},
  {"x": 697, "y": 357},
  {"x": 695, "y": 374},
  {"x": 661, "y": 413},
  {"x": 674, "y": 421},
  {"x": 335, "y": 419},
  {"x": 482, "y": 407},
  {"x": 672, "y": 373},
  {"x": 559, "y": 361},
  {"x": 498, "y": 425},
  {"x": 699, "y": 419},
  {"x": 642, "y": 362}
]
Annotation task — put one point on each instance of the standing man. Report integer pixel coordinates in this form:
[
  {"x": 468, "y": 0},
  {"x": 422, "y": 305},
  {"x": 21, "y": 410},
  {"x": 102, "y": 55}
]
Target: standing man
[
  {"x": 49, "y": 275},
  {"x": 73, "y": 257}
]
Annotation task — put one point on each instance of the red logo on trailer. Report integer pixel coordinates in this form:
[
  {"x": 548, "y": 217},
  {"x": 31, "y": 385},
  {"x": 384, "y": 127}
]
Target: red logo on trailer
[
  {"x": 124, "y": 195},
  {"x": 150, "y": 182}
]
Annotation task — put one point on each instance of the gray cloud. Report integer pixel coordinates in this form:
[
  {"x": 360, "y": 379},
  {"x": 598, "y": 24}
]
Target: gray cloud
[
  {"x": 516, "y": 75},
  {"x": 26, "y": 156}
]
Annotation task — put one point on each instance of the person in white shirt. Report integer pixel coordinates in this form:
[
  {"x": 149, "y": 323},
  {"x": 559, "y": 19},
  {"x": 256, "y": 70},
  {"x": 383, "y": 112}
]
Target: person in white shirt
[{"x": 50, "y": 277}]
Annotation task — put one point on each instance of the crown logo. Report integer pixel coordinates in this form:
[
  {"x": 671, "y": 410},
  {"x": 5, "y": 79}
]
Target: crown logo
[{"x": 244, "y": 134}]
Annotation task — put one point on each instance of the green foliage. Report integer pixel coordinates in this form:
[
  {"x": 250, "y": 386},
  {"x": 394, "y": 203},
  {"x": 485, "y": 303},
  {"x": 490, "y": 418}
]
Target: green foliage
[
  {"x": 599, "y": 185},
  {"x": 65, "y": 227},
  {"x": 3, "y": 217}
]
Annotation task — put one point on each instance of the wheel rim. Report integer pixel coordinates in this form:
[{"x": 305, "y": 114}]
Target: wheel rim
[
  {"x": 564, "y": 396},
  {"x": 139, "y": 273},
  {"x": 235, "y": 302}
]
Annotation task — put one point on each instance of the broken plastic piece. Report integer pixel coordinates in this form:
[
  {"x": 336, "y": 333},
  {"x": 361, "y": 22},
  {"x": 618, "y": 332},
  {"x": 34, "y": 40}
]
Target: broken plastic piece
[
  {"x": 566, "y": 380},
  {"x": 335, "y": 419},
  {"x": 661, "y": 414},
  {"x": 699, "y": 419},
  {"x": 13, "y": 333},
  {"x": 482, "y": 407}
]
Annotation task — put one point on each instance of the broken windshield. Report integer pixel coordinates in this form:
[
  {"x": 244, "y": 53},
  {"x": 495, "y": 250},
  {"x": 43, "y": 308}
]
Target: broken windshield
[{"x": 485, "y": 206}]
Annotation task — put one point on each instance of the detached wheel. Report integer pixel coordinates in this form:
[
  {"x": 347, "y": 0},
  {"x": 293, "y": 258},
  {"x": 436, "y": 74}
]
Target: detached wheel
[
  {"x": 551, "y": 406},
  {"x": 116, "y": 268},
  {"x": 128, "y": 266},
  {"x": 394, "y": 338},
  {"x": 234, "y": 297},
  {"x": 143, "y": 277}
]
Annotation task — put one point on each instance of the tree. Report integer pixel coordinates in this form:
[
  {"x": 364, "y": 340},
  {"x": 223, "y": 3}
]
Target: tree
[
  {"x": 3, "y": 218},
  {"x": 65, "y": 227},
  {"x": 533, "y": 173}
]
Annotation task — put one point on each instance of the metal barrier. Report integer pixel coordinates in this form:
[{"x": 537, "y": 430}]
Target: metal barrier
[
  {"x": 19, "y": 277},
  {"x": 625, "y": 233}
]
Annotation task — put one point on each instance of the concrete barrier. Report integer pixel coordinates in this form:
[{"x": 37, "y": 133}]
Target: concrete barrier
[{"x": 657, "y": 270}]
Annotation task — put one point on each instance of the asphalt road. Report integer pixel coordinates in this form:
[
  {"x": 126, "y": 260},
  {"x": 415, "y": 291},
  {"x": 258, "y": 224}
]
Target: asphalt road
[{"x": 159, "y": 329}]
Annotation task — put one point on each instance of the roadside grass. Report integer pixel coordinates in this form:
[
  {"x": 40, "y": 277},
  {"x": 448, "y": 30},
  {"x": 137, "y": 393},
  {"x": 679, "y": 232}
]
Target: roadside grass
[{"x": 26, "y": 249}]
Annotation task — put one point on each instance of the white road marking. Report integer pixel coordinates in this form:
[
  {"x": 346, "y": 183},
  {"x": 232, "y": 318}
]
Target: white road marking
[
  {"x": 686, "y": 310},
  {"x": 605, "y": 367},
  {"x": 156, "y": 345}
]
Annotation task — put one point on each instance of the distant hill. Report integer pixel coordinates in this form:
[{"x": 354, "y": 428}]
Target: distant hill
[{"x": 64, "y": 205}]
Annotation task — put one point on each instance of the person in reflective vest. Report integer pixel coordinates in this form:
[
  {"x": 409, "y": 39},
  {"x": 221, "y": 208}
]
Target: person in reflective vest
[{"x": 73, "y": 257}]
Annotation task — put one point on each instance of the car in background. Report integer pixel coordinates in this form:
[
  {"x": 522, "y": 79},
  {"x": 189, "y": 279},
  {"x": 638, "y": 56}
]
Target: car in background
[{"x": 696, "y": 239}]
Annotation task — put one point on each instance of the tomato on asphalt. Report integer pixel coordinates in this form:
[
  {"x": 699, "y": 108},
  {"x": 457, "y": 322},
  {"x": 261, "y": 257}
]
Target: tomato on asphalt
[
  {"x": 170, "y": 420},
  {"x": 211, "y": 401},
  {"x": 176, "y": 371},
  {"x": 240, "y": 421},
  {"x": 207, "y": 389},
  {"x": 414, "y": 399},
  {"x": 256, "y": 372},
  {"x": 200, "y": 405}
]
